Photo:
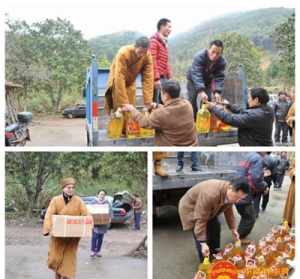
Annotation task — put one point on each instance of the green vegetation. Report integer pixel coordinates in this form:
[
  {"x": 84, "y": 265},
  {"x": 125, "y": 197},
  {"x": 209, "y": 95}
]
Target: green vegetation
[
  {"x": 32, "y": 178},
  {"x": 284, "y": 65},
  {"x": 49, "y": 59},
  {"x": 108, "y": 45}
]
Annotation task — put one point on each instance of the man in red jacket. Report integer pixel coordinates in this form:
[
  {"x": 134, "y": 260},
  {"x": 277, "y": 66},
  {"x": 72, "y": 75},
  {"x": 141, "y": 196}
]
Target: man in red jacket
[{"x": 160, "y": 55}]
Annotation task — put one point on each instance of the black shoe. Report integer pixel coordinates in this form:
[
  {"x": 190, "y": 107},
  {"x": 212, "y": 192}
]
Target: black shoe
[
  {"x": 196, "y": 168},
  {"x": 179, "y": 168}
]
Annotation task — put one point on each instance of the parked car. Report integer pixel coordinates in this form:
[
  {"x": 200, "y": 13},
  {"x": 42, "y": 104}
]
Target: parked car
[{"x": 76, "y": 111}]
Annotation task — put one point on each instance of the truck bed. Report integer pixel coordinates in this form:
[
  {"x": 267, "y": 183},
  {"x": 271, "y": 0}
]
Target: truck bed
[
  {"x": 210, "y": 139},
  {"x": 188, "y": 178}
]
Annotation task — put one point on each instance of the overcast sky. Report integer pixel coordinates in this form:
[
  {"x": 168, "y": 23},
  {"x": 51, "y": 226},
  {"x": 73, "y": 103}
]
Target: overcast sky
[{"x": 97, "y": 17}]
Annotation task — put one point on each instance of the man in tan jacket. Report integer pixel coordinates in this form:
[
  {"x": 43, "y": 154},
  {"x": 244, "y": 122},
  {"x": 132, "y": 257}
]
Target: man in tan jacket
[
  {"x": 130, "y": 61},
  {"x": 199, "y": 209},
  {"x": 173, "y": 122}
]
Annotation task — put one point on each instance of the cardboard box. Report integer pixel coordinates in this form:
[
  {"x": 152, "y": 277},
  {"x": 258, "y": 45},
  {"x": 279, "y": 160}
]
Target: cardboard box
[
  {"x": 100, "y": 213},
  {"x": 72, "y": 226}
]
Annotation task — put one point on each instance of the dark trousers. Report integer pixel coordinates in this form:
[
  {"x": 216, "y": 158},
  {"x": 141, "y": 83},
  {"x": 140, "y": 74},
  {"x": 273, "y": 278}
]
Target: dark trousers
[
  {"x": 265, "y": 200},
  {"x": 279, "y": 180},
  {"x": 256, "y": 202},
  {"x": 281, "y": 129},
  {"x": 265, "y": 197},
  {"x": 137, "y": 220},
  {"x": 193, "y": 97},
  {"x": 97, "y": 240},
  {"x": 213, "y": 238},
  {"x": 247, "y": 213},
  {"x": 194, "y": 159},
  {"x": 157, "y": 92}
]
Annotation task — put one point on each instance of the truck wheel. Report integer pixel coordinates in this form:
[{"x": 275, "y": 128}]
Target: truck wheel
[{"x": 70, "y": 115}]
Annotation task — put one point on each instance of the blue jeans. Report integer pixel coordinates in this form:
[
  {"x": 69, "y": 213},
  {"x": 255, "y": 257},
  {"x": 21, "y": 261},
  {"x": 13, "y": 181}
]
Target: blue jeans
[
  {"x": 97, "y": 240},
  {"x": 137, "y": 220},
  {"x": 194, "y": 159}
]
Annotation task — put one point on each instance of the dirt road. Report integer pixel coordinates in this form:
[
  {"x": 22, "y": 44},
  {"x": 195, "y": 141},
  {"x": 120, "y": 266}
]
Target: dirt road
[
  {"x": 26, "y": 255},
  {"x": 57, "y": 131},
  {"x": 174, "y": 253}
]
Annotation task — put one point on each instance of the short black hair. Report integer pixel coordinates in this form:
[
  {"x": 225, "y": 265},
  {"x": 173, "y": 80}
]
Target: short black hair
[
  {"x": 162, "y": 22},
  {"x": 142, "y": 42},
  {"x": 172, "y": 87},
  {"x": 261, "y": 94},
  {"x": 102, "y": 190},
  {"x": 240, "y": 184},
  {"x": 217, "y": 43}
]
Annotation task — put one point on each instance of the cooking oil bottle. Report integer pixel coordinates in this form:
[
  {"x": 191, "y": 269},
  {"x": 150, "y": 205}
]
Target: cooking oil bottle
[
  {"x": 146, "y": 132},
  {"x": 203, "y": 120},
  {"x": 132, "y": 128},
  {"x": 115, "y": 125},
  {"x": 205, "y": 266},
  {"x": 237, "y": 249}
]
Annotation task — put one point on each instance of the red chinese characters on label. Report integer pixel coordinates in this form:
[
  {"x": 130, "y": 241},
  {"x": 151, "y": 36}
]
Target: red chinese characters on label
[{"x": 86, "y": 221}]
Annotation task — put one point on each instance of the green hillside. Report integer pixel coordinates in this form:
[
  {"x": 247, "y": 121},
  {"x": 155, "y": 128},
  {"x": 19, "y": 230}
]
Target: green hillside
[
  {"x": 108, "y": 45},
  {"x": 255, "y": 25}
]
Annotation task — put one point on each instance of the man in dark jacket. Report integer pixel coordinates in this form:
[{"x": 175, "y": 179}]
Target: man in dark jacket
[
  {"x": 252, "y": 168},
  {"x": 205, "y": 78},
  {"x": 271, "y": 162},
  {"x": 281, "y": 109},
  {"x": 282, "y": 167},
  {"x": 254, "y": 124}
]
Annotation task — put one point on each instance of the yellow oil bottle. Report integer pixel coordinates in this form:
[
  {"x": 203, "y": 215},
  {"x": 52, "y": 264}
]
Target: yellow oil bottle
[
  {"x": 205, "y": 266},
  {"x": 115, "y": 125},
  {"x": 237, "y": 249},
  {"x": 203, "y": 120},
  {"x": 146, "y": 132}
]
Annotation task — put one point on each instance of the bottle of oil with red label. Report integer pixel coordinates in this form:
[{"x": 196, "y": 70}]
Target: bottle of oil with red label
[
  {"x": 146, "y": 132},
  {"x": 115, "y": 125},
  {"x": 132, "y": 127}
]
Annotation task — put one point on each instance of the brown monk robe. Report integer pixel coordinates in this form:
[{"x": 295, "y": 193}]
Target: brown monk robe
[
  {"x": 62, "y": 250},
  {"x": 121, "y": 82},
  {"x": 290, "y": 119},
  {"x": 289, "y": 208}
]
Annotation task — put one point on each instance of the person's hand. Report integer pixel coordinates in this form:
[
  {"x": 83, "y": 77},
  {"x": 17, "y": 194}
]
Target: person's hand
[
  {"x": 203, "y": 96},
  {"x": 151, "y": 106},
  {"x": 204, "y": 249},
  {"x": 218, "y": 97},
  {"x": 157, "y": 84},
  {"x": 210, "y": 105},
  {"x": 235, "y": 234},
  {"x": 267, "y": 191},
  {"x": 128, "y": 107}
]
